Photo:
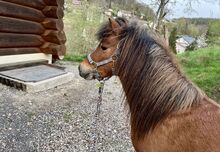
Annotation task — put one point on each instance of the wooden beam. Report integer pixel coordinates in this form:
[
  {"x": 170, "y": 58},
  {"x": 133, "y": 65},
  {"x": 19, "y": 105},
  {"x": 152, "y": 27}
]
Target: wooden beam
[
  {"x": 39, "y": 4},
  {"x": 54, "y": 49},
  {"x": 19, "y": 11},
  {"x": 53, "y": 12},
  {"x": 15, "y": 51},
  {"x": 20, "y": 40},
  {"x": 57, "y": 37},
  {"x": 20, "y": 58},
  {"x": 13, "y": 25},
  {"x": 55, "y": 24},
  {"x": 55, "y": 2}
]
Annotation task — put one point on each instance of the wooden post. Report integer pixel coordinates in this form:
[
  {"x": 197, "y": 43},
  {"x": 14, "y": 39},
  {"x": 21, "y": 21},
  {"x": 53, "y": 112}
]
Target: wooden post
[
  {"x": 20, "y": 26},
  {"x": 20, "y": 40}
]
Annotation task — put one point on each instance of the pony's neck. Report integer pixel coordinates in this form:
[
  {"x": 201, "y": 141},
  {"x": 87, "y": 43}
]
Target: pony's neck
[{"x": 155, "y": 88}]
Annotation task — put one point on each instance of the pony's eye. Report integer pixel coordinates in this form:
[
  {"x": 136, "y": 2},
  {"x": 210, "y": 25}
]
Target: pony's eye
[{"x": 104, "y": 48}]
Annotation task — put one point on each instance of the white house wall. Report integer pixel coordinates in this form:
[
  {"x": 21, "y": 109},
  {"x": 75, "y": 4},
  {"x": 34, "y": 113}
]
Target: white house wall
[{"x": 181, "y": 45}]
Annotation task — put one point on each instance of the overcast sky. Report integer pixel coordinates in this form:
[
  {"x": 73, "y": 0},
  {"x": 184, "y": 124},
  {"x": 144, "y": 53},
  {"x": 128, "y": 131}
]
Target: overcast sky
[{"x": 205, "y": 8}]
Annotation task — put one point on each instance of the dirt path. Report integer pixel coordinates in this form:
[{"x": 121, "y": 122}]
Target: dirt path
[{"x": 59, "y": 120}]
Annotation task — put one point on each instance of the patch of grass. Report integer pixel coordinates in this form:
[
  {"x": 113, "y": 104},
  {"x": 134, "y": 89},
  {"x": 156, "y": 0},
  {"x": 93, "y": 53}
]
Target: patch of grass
[
  {"x": 203, "y": 68},
  {"x": 75, "y": 57},
  {"x": 67, "y": 117},
  {"x": 30, "y": 115}
]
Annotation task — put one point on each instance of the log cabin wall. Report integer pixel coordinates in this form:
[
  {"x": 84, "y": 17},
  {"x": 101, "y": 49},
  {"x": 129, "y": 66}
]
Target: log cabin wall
[{"x": 30, "y": 27}]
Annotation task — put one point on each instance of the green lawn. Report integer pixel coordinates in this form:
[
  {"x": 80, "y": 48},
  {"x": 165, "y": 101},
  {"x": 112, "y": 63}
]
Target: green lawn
[
  {"x": 75, "y": 57},
  {"x": 203, "y": 68}
]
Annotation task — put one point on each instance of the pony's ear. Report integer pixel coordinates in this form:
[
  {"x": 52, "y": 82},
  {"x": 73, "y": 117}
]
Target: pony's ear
[{"x": 114, "y": 25}]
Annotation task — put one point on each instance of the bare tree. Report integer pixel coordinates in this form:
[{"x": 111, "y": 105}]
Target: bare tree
[
  {"x": 160, "y": 13},
  {"x": 162, "y": 10},
  {"x": 163, "y": 7}
]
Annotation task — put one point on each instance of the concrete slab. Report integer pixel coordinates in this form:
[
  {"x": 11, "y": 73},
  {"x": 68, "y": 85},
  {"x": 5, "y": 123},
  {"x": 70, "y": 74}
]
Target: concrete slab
[
  {"x": 37, "y": 86},
  {"x": 33, "y": 73},
  {"x": 49, "y": 83},
  {"x": 35, "y": 78}
]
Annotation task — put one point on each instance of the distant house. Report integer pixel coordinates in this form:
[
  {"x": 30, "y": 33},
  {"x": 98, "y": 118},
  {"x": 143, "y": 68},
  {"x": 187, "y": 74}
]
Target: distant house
[
  {"x": 184, "y": 42},
  {"x": 126, "y": 14},
  {"x": 76, "y": 2},
  {"x": 109, "y": 12}
]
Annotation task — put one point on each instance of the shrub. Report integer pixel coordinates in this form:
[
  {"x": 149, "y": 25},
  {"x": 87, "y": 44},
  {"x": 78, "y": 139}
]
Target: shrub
[{"x": 172, "y": 39}]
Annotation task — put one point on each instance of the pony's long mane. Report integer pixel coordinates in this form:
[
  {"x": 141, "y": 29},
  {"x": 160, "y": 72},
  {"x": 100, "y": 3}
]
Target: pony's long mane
[{"x": 153, "y": 83}]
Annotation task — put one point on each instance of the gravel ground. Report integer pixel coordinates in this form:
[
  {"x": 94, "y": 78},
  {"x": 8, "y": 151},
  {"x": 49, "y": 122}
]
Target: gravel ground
[{"x": 59, "y": 119}]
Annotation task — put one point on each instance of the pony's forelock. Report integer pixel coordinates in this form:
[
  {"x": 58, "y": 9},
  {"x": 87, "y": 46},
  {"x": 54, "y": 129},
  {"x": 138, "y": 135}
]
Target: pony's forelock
[{"x": 106, "y": 29}]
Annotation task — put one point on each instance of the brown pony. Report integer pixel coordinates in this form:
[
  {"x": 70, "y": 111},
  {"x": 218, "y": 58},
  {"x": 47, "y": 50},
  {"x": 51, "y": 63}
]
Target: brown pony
[{"x": 168, "y": 112}]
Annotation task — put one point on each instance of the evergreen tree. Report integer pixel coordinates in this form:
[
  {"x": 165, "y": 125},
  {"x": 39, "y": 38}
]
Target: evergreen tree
[{"x": 172, "y": 39}]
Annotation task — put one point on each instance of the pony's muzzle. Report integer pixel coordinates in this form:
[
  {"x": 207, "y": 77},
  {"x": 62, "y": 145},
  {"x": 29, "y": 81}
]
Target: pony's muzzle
[{"x": 87, "y": 74}]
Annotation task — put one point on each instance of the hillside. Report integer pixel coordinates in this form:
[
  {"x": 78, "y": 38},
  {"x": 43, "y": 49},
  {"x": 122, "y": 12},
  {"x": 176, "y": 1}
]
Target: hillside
[{"x": 197, "y": 21}]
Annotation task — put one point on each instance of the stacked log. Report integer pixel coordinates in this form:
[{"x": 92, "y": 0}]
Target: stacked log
[
  {"x": 32, "y": 26},
  {"x": 54, "y": 34}
]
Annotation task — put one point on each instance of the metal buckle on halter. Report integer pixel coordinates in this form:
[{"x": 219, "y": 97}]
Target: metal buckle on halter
[{"x": 114, "y": 58}]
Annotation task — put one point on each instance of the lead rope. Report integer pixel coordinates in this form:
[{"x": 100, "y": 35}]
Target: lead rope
[{"x": 94, "y": 134}]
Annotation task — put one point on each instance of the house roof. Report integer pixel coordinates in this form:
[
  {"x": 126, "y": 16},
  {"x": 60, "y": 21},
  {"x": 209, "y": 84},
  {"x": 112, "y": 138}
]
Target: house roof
[{"x": 188, "y": 39}]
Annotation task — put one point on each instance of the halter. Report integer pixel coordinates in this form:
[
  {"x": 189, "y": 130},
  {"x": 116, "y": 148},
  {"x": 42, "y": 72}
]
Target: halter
[
  {"x": 113, "y": 59},
  {"x": 98, "y": 64}
]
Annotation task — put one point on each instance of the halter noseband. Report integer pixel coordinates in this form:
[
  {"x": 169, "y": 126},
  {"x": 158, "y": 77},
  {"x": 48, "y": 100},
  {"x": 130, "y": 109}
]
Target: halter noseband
[
  {"x": 98, "y": 64},
  {"x": 113, "y": 59}
]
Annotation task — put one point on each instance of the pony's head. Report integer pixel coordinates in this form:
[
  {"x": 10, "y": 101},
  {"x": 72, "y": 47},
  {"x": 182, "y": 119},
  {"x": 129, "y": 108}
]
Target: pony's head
[{"x": 101, "y": 63}]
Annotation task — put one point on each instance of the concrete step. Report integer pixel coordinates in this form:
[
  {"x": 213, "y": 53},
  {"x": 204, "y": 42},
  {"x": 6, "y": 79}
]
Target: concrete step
[{"x": 35, "y": 77}]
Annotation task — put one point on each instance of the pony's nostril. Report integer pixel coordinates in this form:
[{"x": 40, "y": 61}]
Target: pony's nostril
[
  {"x": 86, "y": 73},
  {"x": 82, "y": 74}
]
